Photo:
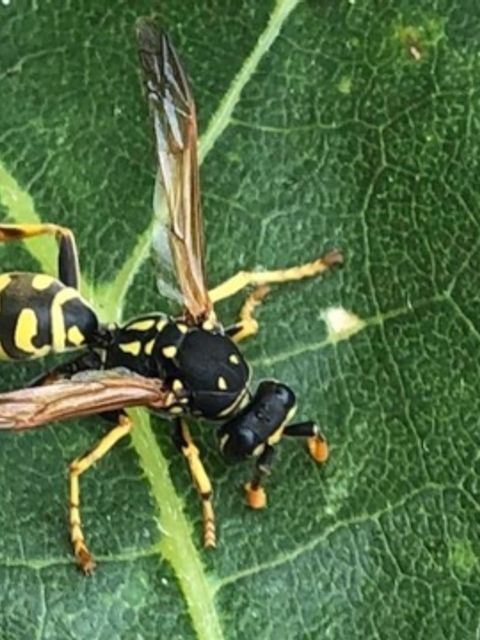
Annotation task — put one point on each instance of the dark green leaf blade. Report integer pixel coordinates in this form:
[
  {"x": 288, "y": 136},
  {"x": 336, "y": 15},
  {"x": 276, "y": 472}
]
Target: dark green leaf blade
[{"x": 358, "y": 128}]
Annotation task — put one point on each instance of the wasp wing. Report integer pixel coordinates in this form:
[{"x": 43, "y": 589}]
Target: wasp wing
[
  {"x": 178, "y": 233},
  {"x": 80, "y": 396}
]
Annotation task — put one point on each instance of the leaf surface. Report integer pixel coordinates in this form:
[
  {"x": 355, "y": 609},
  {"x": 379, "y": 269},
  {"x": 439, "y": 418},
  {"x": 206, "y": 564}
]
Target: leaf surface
[{"x": 351, "y": 125}]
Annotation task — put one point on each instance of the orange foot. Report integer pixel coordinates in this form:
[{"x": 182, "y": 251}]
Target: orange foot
[
  {"x": 256, "y": 498},
  {"x": 318, "y": 447}
]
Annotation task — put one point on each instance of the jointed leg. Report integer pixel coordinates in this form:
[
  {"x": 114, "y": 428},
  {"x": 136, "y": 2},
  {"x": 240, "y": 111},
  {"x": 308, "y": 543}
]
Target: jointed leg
[
  {"x": 247, "y": 325},
  {"x": 200, "y": 478},
  {"x": 254, "y": 492},
  {"x": 317, "y": 445},
  {"x": 68, "y": 269},
  {"x": 79, "y": 466},
  {"x": 259, "y": 278}
]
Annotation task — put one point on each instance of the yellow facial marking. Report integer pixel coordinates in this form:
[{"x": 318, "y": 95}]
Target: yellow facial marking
[
  {"x": 142, "y": 325},
  {"x": 276, "y": 436},
  {"x": 169, "y": 352},
  {"x": 222, "y": 383},
  {"x": 25, "y": 330},
  {"x": 75, "y": 336},
  {"x": 161, "y": 324},
  {"x": 148, "y": 348},
  {"x": 133, "y": 347},
  {"x": 223, "y": 441},
  {"x": 234, "y": 359},
  {"x": 290, "y": 414},
  {"x": 182, "y": 327},
  {"x": 42, "y": 281},
  {"x": 177, "y": 385},
  {"x": 5, "y": 280},
  {"x": 175, "y": 410}
]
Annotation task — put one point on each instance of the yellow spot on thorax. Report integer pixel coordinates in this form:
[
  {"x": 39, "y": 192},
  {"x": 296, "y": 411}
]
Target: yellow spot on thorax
[
  {"x": 142, "y": 325},
  {"x": 133, "y": 347},
  {"x": 182, "y": 327},
  {"x": 208, "y": 325},
  {"x": 169, "y": 352},
  {"x": 222, "y": 383},
  {"x": 234, "y": 359},
  {"x": 42, "y": 281},
  {"x": 148, "y": 348},
  {"x": 177, "y": 385}
]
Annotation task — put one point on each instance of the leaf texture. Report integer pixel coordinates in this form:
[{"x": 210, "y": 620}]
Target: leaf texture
[{"x": 352, "y": 125}]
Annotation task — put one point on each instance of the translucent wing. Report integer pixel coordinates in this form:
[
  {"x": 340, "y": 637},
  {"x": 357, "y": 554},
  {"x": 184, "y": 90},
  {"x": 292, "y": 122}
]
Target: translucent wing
[
  {"x": 178, "y": 235},
  {"x": 80, "y": 396}
]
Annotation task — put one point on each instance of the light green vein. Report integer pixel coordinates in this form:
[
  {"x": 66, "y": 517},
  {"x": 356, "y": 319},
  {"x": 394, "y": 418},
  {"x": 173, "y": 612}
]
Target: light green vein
[
  {"x": 377, "y": 320},
  {"x": 177, "y": 545},
  {"x": 222, "y": 117},
  {"x": 20, "y": 208},
  {"x": 292, "y": 555}
]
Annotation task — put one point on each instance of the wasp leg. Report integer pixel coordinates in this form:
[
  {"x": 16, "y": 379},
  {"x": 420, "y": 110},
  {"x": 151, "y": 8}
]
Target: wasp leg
[
  {"x": 259, "y": 278},
  {"x": 317, "y": 445},
  {"x": 255, "y": 495},
  {"x": 79, "y": 466},
  {"x": 68, "y": 268},
  {"x": 247, "y": 325},
  {"x": 202, "y": 483}
]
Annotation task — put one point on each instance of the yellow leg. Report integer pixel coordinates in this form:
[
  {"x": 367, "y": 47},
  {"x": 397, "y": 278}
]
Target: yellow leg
[
  {"x": 79, "y": 466},
  {"x": 201, "y": 481},
  {"x": 10, "y": 232},
  {"x": 247, "y": 325},
  {"x": 259, "y": 278},
  {"x": 69, "y": 271}
]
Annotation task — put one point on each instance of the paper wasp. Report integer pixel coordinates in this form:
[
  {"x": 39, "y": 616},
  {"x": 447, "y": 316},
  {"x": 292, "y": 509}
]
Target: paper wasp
[{"x": 183, "y": 366}]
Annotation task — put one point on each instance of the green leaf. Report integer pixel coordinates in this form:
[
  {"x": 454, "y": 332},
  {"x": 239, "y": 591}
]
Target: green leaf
[{"x": 347, "y": 124}]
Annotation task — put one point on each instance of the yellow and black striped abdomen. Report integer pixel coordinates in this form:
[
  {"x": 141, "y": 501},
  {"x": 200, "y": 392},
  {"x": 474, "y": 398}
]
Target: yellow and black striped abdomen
[{"x": 39, "y": 314}]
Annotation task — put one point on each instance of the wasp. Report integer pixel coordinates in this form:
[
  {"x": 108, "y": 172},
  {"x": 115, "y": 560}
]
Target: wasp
[{"x": 182, "y": 367}]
